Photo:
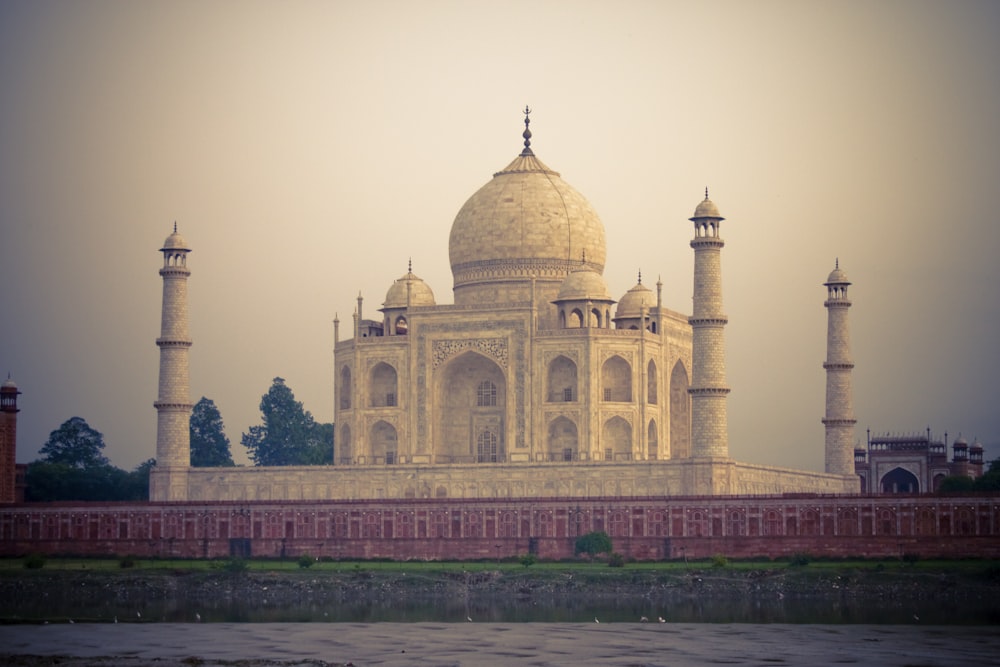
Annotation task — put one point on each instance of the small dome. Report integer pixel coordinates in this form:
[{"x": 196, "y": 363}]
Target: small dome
[
  {"x": 175, "y": 241},
  {"x": 582, "y": 285},
  {"x": 837, "y": 276},
  {"x": 706, "y": 209},
  {"x": 635, "y": 299},
  {"x": 9, "y": 383},
  {"x": 420, "y": 293},
  {"x": 960, "y": 443},
  {"x": 976, "y": 446}
]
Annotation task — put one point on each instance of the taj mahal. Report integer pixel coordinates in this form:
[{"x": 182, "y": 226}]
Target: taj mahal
[{"x": 535, "y": 383}]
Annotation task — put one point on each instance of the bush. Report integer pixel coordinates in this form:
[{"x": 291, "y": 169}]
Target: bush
[
  {"x": 616, "y": 560},
  {"x": 34, "y": 561},
  {"x": 593, "y": 543},
  {"x": 126, "y": 562},
  {"x": 528, "y": 560},
  {"x": 235, "y": 565},
  {"x": 799, "y": 560},
  {"x": 718, "y": 560},
  {"x": 305, "y": 560}
]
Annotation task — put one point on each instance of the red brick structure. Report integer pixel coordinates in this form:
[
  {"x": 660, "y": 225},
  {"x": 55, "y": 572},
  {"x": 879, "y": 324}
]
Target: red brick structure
[
  {"x": 8, "y": 442},
  {"x": 649, "y": 528}
]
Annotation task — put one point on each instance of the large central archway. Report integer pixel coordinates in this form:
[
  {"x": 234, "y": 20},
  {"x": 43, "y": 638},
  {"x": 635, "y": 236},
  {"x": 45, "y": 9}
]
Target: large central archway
[{"x": 469, "y": 412}]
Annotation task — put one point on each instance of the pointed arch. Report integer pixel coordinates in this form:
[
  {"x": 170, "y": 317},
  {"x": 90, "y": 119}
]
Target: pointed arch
[
  {"x": 617, "y": 439},
  {"x": 383, "y": 442},
  {"x": 899, "y": 480},
  {"x": 651, "y": 382},
  {"x": 382, "y": 386},
  {"x": 472, "y": 393},
  {"x": 616, "y": 380},
  {"x": 563, "y": 440},
  {"x": 345, "y": 388},
  {"x": 680, "y": 413},
  {"x": 652, "y": 441},
  {"x": 344, "y": 446},
  {"x": 562, "y": 387}
]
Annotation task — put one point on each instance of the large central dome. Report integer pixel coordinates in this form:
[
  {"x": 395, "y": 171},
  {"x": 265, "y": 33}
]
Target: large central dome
[{"x": 525, "y": 223}]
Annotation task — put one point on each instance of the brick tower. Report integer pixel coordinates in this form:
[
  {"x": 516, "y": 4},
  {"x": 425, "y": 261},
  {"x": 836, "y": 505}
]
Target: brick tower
[
  {"x": 8, "y": 441},
  {"x": 173, "y": 407},
  {"x": 839, "y": 420},
  {"x": 709, "y": 426}
]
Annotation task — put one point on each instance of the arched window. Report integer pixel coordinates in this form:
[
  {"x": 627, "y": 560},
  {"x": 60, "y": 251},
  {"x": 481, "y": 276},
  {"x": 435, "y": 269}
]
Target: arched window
[
  {"x": 486, "y": 394},
  {"x": 382, "y": 390},
  {"x": 486, "y": 447},
  {"x": 345, "y": 445},
  {"x": 680, "y": 413},
  {"x": 617, "y": 437},
  {"x": 899, "y": 480},
  {"x": 616, "y": 380},
  {"x": 652, "y": 443},
  {"x": 561, "y": 381},
  {"x": 563, "y": 440},
  {"x": 401, "y": 326},
  {"x": 651, "y": 380},
  {"x": 345, "y": 388}
]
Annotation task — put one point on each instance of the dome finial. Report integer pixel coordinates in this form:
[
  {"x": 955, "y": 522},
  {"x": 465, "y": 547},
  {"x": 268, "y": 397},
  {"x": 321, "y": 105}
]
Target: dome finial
[
  {"x": 836, "y": 263},
  {"x": 175, "y": 226},
  {"x": 706, "y": 193},
  {"x": 640, "y": 276},
  {"x": 409, "y": 266},
  {"x": 527, "y": 132},
  {"x": 584, "y": 258}
]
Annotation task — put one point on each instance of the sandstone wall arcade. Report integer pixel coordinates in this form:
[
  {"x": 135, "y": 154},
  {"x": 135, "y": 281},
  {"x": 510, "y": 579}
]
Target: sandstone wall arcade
[{"x": 642, "y": 528}]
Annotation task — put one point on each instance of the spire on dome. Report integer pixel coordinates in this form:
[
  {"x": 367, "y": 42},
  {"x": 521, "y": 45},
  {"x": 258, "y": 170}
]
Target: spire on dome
[
  {"x": 640, "y": 276},
  {"x": 706, "y": 193},
  {"x": 527, "y": 133}
]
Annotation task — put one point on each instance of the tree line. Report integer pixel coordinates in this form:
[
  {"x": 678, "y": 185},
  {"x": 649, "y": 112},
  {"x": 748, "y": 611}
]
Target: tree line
[{"x": 73, "y": 466}]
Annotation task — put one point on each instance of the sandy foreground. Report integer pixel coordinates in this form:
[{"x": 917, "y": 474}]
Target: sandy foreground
[{"x": 451, "y": 644}]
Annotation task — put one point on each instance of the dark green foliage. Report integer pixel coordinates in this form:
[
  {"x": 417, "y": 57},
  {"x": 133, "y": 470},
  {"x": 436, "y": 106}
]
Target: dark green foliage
[
  {"x": 306, "y": 561},
  {"x": 75, "y": 444},
  {"x": 719, "y": 560},
  {"x": 289, "y": 435},
  {"x": 528, "y": 560},
  {"x": 593, "y": 543},
  {"x": 235, "y": 566},
  {"x": 126, "y": 562},
  {"x": 957, "y": 484},
  {"x": 209, "y": 444},
  {"x": 616, "y": 560},
  {"x": 800, "y": 560},
  {"x": 34, "y": 561},
  {"x": 59, "y": 481}
]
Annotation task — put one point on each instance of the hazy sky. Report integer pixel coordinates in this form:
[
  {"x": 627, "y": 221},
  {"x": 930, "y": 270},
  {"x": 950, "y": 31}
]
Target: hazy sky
[{"x": 308, "y": 150}]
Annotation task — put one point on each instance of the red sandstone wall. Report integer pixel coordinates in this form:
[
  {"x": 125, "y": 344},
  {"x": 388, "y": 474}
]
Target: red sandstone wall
[{"x": 641, "y": 528}]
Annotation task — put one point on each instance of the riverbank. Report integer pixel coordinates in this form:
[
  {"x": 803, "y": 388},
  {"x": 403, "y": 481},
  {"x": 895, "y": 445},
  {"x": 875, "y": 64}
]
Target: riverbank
[{"x": 503, "y": 592}]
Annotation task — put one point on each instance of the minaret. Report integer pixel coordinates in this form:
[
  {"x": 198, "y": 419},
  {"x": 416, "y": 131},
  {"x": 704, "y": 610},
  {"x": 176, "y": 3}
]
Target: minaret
[
  {"x": 8, "y": 441},
  {"x": 173, "y": 407},
  {"x": 709, "y": 426},
  {"x": 839, "y": 420}
]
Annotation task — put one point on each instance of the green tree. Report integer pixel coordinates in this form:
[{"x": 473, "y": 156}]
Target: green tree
[
  {"x": 593, "y": 543},
  {"x": 75, "y": 444},
  {"x": 75, "y": 469},
  {"x": 209, "y": 444},
  {"x": 957, "y": 484},
  {"x": 289, "y": 435}
]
